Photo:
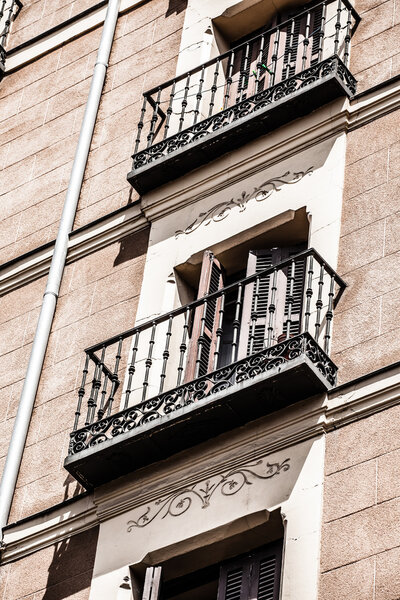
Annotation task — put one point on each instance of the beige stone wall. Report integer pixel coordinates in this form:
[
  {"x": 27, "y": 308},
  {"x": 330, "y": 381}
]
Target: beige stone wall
[
  {"x": 41, "y": 109},
  {"x": 361, "y": 530},
  {"x": 375, "y": 53},
  {"x": 98, "y": 298},
  {"x": 366, "y": 326},
  {"x": 38, "y": 16},
  {"x": 61, "y": 571}
]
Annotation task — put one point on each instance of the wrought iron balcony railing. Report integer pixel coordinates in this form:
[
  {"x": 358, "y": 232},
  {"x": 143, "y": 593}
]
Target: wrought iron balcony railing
[
  {"x": 232, "y": 95},
  {"x": 9, "y": 11},
  {"x": 248, "y": 348}
]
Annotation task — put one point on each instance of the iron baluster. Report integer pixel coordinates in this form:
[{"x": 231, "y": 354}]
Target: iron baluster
[
  {"x": 322, "y": 33},
  {"x": 100, "y": 412},
  {"x": 200, "y": 341},
  {"x": 199, "y": 96},
  {"x": 214, "y": 88},
  {"x": 81, "y": 393},
  {"x": 236, "y": 322},
  {"x": 184, "y": 102},
  {"x": 114, "y": 377},
  {"x": 290, "y": 299},
  {"x": 183, "y": 346},
  {"x": 3, "y": 4},
  {"x": 7, "y": 24},
  {"x": 165, "y": 355},
  {"x": 254, "y": 315},
  {"x": 243, "y": 74},
  {"x": 272, "y": 308},
  {"x": 96, "y": 383},
  {"x": 131, "y": 369},
  {"x": 338, "y": 26},
  {"x": 274, "y": 58},
  {"x": 347, "y": 39},
  {"x": 309, "y": 293},
  {"x": 229, "y": 78},
  {"x": 259, "y": 64},
  {"x": 169, "y": 109},
  {"x": 154, "y": 119},
  {"x": 219, "y": 331},
  {"x": 306, "y": 42},
  {"x": 148, "y": 362},
  {"x": 329, "y": 315},
  {"x": 140, "y": 125},
  {"x": 286, "y": 68},
  {"x": 319, "y": 303}
]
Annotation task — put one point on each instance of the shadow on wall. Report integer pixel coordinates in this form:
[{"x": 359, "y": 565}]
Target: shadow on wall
[
  {"x": 71, "y": 568},
  {"x": 176, "y": 6},
  {"x": 132, "y": 246}
]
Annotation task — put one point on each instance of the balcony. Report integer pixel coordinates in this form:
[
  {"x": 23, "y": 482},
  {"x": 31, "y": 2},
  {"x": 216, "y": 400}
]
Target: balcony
[
  {"x": 279, "y": 75},
  {"x": 9, "y": 11},
  {"x": 232, "y": 356}
]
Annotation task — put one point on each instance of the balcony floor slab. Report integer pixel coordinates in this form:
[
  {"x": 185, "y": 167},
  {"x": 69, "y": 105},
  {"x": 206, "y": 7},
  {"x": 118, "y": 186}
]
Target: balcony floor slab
[{"x": 157, "y": 439}]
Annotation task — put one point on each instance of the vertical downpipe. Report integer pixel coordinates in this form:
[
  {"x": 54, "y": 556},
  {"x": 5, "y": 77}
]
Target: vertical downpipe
[{"x": 28, "y": 395}]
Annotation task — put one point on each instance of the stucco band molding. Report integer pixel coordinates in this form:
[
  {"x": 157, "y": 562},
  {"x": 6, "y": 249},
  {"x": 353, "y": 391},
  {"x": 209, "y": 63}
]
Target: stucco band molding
[
  {"x": 82, "y": 242},
  {"x": 287, "y": 428},
  {"x": 47, "y": 42},
  {"x": 47, "y": 529}
]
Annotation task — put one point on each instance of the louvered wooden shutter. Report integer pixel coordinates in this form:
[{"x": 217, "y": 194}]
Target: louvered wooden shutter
[
  {"x": 152, "y": 584},
  {"x": 295, "y": 50},
  {"x": 211, "y": 280},
  {"x": 265, "y": 574},
  {"x": 298, "y": 292},
  {"x": 253, "y": 577},
  {"x": 234, "y": 580},
  {"x": 244, "y": 78},
  {"x": 258, "y": 261}
]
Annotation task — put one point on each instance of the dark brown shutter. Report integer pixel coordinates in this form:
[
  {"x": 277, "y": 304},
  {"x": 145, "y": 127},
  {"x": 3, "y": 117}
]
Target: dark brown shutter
[
  {"x": 265, "y": 573},
  {"x": 152, "y": 584},
  {"x": 211, "y": 280},
  {"x": 234, "y": 580},
  {"x": 298, "y": 292},
  {"x": 245, "y": 78},
  {"x": 258, "y": 261},
  {"x": 255, "y": 576},
  {"x": 296, "y": 54}
]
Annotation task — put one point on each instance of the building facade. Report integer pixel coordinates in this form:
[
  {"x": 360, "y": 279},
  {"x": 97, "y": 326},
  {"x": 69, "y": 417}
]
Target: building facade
[{"x": 200, "y": 374}]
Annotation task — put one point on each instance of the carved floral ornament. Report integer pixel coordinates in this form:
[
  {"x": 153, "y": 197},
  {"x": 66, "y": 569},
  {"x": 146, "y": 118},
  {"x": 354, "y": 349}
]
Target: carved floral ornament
[
  {"x": 200, "y": 494},
  {"x": 220, "y": 211}
]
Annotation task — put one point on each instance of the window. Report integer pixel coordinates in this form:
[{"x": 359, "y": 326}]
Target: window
[
  {"x": 269, "y": 55},
  {"x": 249, "y": 318},
  {"x": 253, "y": 575}
]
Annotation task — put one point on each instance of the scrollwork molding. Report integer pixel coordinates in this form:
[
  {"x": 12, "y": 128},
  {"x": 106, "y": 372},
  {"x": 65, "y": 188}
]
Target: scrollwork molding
[
  {"x": 220, "y": 211},
  {"x": 227, "y": 484}
]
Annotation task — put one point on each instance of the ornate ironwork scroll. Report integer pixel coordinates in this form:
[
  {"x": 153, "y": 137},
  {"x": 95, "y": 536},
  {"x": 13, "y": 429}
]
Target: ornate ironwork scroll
[
  {"x": 259, "y": 194},
  {"x": 265, "y": 361},
  {"x": 201, "y": 494}
]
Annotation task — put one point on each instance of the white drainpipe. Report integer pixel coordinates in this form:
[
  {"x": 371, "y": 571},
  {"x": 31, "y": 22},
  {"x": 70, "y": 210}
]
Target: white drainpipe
[{"x": 28, "y": 395}]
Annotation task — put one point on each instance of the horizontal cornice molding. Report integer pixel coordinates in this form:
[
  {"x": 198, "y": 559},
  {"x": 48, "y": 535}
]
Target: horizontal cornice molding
[
  {"x": 65, "y": 32},
  {"x": 276, "y": 433},
  {"x": 50, "y": 528},
  {"x": 82, "y": 242}
]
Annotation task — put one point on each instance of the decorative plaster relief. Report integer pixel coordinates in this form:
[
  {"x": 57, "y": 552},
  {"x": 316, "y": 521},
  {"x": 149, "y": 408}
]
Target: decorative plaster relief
[
  {"x": 259, "y": 194},
  {"x": 227, "y": 484}
]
